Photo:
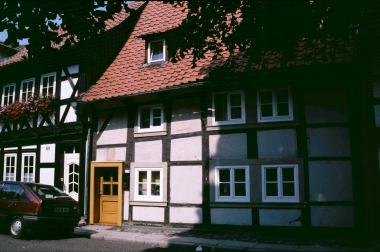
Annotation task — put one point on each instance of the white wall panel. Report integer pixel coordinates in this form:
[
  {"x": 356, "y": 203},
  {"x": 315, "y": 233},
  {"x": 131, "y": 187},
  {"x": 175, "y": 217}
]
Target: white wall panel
[
  {"x": 47, "y": 176},
  {"x": 277, "y": 143},
  {"x": 329, "y": 142},
  {"x": 231, "y": 216},
  {"x": 186, "y": 116},
  {"x": 116, "y": 130},
  {"x": 150, "y": 151},
  {"x": 229, "y": 146},
  {"x": 154, "y": 214},
  {"x": 332, "y": 216},
  {"x": 186, "y": 149},
  {"x": 47, "y": 153},
  {"x": 279, "y": 217},
  {"x": 191, "y": 215},
  {"x": 186, "y": 184}
]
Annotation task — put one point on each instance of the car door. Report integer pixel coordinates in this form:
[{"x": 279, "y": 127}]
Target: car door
[{"x": 9, "y": 196}]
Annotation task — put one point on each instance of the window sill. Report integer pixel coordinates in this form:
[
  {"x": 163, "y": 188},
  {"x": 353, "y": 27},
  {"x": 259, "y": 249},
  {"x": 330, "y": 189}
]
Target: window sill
[
  {"x": 250, "y": 125},
  {"x": 148, "y": 203},
  {"x": 150, "y": 134},
  {"x": 155, "y": 63}
]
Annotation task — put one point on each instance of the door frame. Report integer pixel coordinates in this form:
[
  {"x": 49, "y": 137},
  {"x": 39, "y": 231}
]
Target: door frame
[{"x": 94, "y": 210}]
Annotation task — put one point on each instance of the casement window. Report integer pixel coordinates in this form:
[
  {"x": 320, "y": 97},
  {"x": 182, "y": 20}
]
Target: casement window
[
  {"x": 156, "y": 51},
  {"x": 10, "y": 167},
  {"x": 149, "y": 184},
  {"x": 150, "y": 118},
  {"x": 28, "y": 167},
  {"x": 280, "y": 183},
  {"x": 274, "y": 105},
  {"x": 232, "y": 183},
  {"x": 228, "y": 108},
  {"x": 26, "y": 89},
  {"x": 8, "y": 94},
  {"x": 47, "y": 86}
]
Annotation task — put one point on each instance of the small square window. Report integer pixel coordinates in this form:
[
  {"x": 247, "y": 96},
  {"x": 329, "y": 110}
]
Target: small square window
[
  {"x": 274, "y": 105},
  {"x": 228, "y": 108},
  {"x": 156, "y": 51},
  {"x": 8, "y": 94},
  {"x": 149, "y": 184},
  {"x": 26, "y": 89},
  {"x": 47, "y": 86},
  {"x": 150, "y": 118},
  {"x": 232, "y": 183},
  {"x": 280, "y": 183}
]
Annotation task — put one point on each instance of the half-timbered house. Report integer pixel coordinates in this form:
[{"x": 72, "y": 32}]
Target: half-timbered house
[{"x": 43, "y": 134}]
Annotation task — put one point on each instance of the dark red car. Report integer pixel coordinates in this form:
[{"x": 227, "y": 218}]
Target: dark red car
[{"x": 27, "y": 206}]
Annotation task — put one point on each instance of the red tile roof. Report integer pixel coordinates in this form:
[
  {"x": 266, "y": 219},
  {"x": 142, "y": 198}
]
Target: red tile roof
[
  {"x": 128, "y": 75},
  {"x": 21, "y": 53}
]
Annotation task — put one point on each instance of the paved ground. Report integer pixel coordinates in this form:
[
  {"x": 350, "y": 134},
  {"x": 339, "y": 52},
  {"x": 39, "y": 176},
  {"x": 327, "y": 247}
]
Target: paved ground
[{"x": 230, "y": 239}]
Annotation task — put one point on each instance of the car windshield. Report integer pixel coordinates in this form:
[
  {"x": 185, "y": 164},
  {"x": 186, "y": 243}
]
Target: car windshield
[{"x": 47, "y": 192}]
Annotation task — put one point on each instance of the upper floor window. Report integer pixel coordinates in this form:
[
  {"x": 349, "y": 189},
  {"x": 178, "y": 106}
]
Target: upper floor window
[
  {"x": 47, "y": 86},
  {"x": 280, "y": 183},
  {"x": 8, "y": 94},
  {"x": 26, "y": 89},
  {"x": 150, "y": 118},
  {"x": 228, "y": 108},
  {"x": 232, "y": 183},
  {"x": 274, "y": 105},
  {"x": 156, "y": 51}
]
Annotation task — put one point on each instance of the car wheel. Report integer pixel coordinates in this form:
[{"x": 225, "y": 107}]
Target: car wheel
[{"x": 16, "y": 227}]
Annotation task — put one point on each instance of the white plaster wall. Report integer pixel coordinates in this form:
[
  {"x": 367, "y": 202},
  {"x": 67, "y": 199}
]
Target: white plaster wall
[
  {"x": 328, "y": 142},
  {"x": 126, "y": 205},
  {"x": 154, "y": 214},
  {"x": 67, "y": 90},
  {"x": 71, "y": 115},
  {"x": 186, "y": 149},
  {"x": 326, "y": 106},
  {"x": 150, "y": 151},
  {"x": 191, "y": 215},
  {"x": 330, "y": 181},
  {"x": 229, "y": 146},
  {"x": 72, "y": 70},
  {"x": 116, "y": 130},
  {"x": 279, "y": 217},
  {"x": 47, "y": 153},
  {"x": 186, "y": 184},
  {"x": 332, "y": 216},
  {"x": 47, "y": 176},
  {"x": 231, "y": 216},
  {"x": 277, "y": 143},
  {"x": 186, "y": 116},
  {"x": 376, "y": 89},
  {"x": 29, "y": 147},
  {"x": 377, "y": 115},
  {"x": 111, "y": 154}
]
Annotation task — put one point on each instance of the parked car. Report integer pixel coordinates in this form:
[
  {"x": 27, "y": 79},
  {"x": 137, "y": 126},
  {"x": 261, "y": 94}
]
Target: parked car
[{"x": 29, "y": 206}]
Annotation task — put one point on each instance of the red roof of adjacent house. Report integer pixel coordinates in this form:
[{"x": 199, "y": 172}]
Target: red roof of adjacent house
[
  {"x": 20, "y": 54},
  {"x": 129, "y": 75}
]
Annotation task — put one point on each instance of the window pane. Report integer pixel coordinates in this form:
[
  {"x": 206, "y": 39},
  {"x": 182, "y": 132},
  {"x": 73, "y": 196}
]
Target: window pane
[
  {"x": 271, "y": 174},
  {"x": 155, "y": 190},
  {"x": 282, "y": 96},
  {"x": 288, "y": 189},
  {"x": 240, "y": 189},
  {"x": 266, "y": 97},
  {"x": 221, "y": 107},
  {"x": 266, "y": 110},
  {"x": 236, "y": 113},
  {"x": 287, "y": 174},
  {"x": 224, "y": 189},
  {"x": 224, "y": 175},
  {"x": 155, "y": 177},
  {"x": 239, "y": 175},
  {"x": 235, "y": 100},
  {"x": 157, "y": 51},
  {"x": 106, "y": 175},
  {"x": 271, "y": 189},
  {"x": 145, "y": 118},
  {"x": 114, "y": 190},
  {"x": 157, "y": 112},
  {"x": 106, "y": 189},
  {"x": 282, "y": 109},
  {"x": 143, "y": 176}
]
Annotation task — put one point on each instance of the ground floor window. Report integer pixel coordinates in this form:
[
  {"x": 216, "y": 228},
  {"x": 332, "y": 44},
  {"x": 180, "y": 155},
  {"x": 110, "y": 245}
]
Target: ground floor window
[
  {"x": 149, "y": 183},
  {"x": 10, "y": 167},
  {"x": 232, "y": 183},
  {"x": 28, "y": 167},
  {"x": 280, "y": 183}
]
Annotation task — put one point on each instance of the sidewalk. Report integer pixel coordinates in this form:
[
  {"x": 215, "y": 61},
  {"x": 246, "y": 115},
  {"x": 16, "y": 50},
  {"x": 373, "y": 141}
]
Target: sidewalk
[{"x": 214, "y": 239}]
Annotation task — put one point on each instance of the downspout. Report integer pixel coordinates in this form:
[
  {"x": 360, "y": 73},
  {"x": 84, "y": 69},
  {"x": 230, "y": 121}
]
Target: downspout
[{"x": 86, "y": 171}]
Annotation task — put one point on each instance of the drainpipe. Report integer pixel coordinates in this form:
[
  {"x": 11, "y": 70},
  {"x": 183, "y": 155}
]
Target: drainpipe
[{"x": 86, "y": 171}]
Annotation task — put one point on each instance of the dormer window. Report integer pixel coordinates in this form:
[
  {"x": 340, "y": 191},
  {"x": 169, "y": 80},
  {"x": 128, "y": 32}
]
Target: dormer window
[{"x": 156, "y": 51}]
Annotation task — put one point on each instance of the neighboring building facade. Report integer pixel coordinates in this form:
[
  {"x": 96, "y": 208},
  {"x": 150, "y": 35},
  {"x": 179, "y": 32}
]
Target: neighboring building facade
[
  {"x": 51, "y": 148},
  {"x": 176, "y": 145}
]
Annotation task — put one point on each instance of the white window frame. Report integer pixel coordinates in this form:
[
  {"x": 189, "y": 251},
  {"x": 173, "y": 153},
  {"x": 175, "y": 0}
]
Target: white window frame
[
  {"x": 8, "y": 94},
  {"x": 151, "y": 127},
  {"x": 29, "y": 154},
  {"x": 28, "y": 92},
  {"x": 54, "y": 83},
  {"x": 232, "y": 197},
  {"x": 280, "y": 197},
  {"x": 163, "y": 51},
  {"x": 229, "y": 120},
  {"x": 10, "y": 155},
  {"x": 275, "y": 117},
  {"x": 149, "y": 197}
]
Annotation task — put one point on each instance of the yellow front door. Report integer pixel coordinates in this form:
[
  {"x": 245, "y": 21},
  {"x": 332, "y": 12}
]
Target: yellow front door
[{"x": 109, "y": 184}]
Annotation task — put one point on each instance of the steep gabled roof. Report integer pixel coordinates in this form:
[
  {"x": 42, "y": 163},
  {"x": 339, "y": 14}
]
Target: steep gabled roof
[
  {"x": 17, "y": 54},
  {"x": 128, "y": 75}
]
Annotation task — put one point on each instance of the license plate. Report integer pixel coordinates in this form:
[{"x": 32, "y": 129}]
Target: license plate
[{"x": 61, "y": 209}]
